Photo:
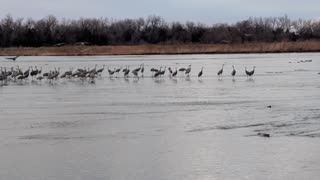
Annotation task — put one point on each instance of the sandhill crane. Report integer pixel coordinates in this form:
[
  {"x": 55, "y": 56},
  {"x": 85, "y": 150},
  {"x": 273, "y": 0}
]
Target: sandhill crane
[
  {"x": 233, "y": 73},
  {"x": 45, "y": 74},
  {"x": 163, "y": 72},
  {"x": 26, "y": 72},
  {"x": 101, "y": 70},
  {"x": 125, "y": 69},
  {"x": 34, "y": 72},
  {"x": 118, "y": 70},
  {"x": 142, "y": 69},
  {"x": 250, "y": 73},
  {"x": 50, "y": 75},
  {"x": 82, "y": 70},
  {"x": 3, "y": 74},
  {"x": 137, "y": 69},
  {"x": 55, "y": 74},
  {"x": 62, "y": 76},
  {"x": 21, "y": 77},
  {"x": 220, "y": 71},
  {"x": 182, "y": 69},
  {"x": 126, "y": 73},
  {"x": 67, "y": 73},
  {"x": 157, "y": 73},
  {"x": 93, "y": 70},
  {"x": 247, "y": 72},
  {"x": 135, "y": 72},
  {"x": 12, "y": 58},
  {"x": 92, "y": 76},
  {"x": 25, "y": 76},
  {"x": 175, "y": 73},
  {"x": 11, "y": 71},
  {"x": 19, "y": 71},
  {"x": 15, "y": 74},
  {"x": 200, "y": 73},
  {"x": 154, "y": 70},
  {"x": 188, "y": 70},
  {"x": 111, "y": 72}
]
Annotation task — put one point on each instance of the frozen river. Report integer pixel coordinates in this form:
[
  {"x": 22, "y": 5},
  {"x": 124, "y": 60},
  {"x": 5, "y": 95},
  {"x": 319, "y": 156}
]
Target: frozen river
[{"x": 164, "y": 128}]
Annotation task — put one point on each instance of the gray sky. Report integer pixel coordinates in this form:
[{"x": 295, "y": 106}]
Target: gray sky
[{"x": 205, "y": 11}]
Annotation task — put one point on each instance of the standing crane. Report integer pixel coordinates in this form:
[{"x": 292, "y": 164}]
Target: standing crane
[
  {"x": 200, "y": 73},
  {"x": 220, "y": 71},
  {"x": 233, "y": 73}
]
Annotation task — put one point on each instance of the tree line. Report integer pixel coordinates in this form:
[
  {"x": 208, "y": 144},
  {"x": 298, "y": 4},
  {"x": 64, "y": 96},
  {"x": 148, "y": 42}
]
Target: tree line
[{"x": 50, "y": 31}]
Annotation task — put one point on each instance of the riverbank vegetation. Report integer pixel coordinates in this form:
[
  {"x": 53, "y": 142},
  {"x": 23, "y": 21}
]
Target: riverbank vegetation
[
  {"x": 257, "y": 47},
  {"x": 154, "y": 35},
  {"x": 51, "y": 31}
]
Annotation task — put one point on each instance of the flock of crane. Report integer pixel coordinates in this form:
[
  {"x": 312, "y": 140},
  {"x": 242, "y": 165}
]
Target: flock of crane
[{"x": 16, "y": 74}]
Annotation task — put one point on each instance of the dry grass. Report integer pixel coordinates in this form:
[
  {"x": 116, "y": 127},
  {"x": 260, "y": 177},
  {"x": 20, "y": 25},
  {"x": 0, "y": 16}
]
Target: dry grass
[{"x": 304, "y": 46}]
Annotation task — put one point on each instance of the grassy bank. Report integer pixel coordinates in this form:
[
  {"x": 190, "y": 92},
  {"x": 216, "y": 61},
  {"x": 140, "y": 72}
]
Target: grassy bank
[{"x": 305, "y": 46}]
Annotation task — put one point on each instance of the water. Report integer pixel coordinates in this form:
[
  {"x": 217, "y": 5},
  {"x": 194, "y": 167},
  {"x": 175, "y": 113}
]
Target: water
[{"x": 179, "y": 128}]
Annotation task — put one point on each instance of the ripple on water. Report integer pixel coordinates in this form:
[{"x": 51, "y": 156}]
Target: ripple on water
[{"x": 306, "y": 126}]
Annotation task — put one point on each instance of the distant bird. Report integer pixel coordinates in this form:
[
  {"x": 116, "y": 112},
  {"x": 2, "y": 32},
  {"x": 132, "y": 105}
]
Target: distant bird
[
  {"x": 12, "y": 58},
  {"x": 200, "y": 73},
  {"x": 220, "y": 71},
  {"x": 250, "y": 73},
  {"x": 233, "y": 73}
]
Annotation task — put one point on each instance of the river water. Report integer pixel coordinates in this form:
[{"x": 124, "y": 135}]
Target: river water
[{"x": 164, "y": 128}]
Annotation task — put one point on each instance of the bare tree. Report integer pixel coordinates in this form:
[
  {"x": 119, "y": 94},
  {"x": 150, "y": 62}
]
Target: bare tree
[{"x": 50, "y": 31}]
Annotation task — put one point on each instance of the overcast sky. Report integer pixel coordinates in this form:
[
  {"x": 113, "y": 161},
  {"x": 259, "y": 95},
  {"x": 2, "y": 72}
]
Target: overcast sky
[{"x": 204, "y": 11}]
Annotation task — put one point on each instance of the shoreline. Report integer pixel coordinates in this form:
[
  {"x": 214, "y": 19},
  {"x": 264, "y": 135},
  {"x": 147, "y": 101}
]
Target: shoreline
[{"x": 248, "y": 48}]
